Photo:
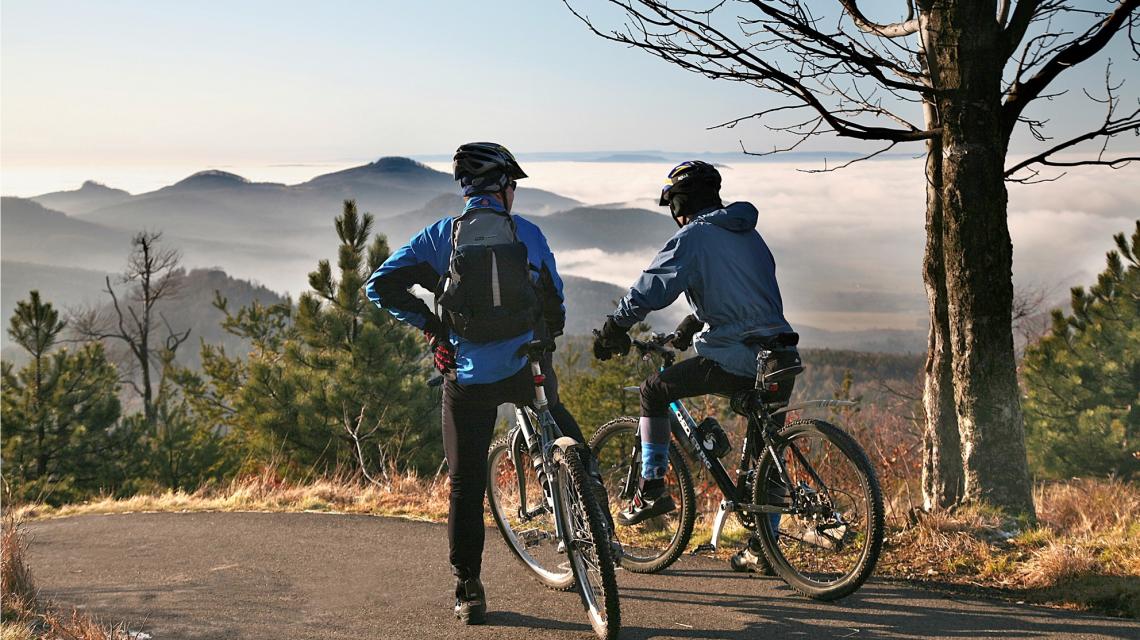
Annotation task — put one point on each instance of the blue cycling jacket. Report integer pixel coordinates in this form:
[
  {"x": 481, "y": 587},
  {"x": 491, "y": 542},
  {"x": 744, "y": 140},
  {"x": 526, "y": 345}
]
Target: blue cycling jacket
[
  {"x": 728, "y": 275},
  {"x": 425, "y": 258}
]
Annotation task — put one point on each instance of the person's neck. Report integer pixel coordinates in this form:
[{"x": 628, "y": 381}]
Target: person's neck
[{"x": 492, "y": 196}]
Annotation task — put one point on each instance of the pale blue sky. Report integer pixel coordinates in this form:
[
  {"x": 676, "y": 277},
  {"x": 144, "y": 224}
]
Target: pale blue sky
[{"x": 215, "y": 82}]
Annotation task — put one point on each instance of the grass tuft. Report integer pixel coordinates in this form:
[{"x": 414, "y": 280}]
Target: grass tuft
[{"x": 19, "y": 591}]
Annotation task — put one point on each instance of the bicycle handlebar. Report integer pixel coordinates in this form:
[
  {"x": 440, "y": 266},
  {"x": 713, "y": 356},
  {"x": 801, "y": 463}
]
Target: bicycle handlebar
[{"x": 656, "y": 344}]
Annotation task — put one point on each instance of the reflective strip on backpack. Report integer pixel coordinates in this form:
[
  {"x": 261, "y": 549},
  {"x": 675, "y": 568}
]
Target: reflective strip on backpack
[{"x": 496, "y": 296}]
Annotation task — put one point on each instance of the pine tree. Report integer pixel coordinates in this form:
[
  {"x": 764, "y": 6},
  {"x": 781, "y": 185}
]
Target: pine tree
[
  {"x": 58, "y": 411},
  {"x": 331, "y": 382},
  {"x": 1082, "y": 380}
]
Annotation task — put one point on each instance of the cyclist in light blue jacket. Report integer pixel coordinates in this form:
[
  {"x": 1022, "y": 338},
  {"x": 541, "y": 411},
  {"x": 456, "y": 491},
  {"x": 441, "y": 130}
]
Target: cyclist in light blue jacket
[{"x": 728, "y": 276}]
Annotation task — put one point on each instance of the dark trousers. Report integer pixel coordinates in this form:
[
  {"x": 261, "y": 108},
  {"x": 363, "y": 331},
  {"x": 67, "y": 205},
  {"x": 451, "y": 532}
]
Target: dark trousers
[
  {"x": 696, "y": 377},
  {"x": 693, "y": 377},
  {"x": 469, "y": 413}
]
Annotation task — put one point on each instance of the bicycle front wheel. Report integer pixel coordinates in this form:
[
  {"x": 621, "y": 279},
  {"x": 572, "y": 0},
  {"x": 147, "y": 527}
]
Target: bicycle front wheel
[
  {"x": 830, "y": 530},
  {"x": 523, "y": 514},
  {"x": 588, "y": 544},
  {"x": 652, "y": 545}
]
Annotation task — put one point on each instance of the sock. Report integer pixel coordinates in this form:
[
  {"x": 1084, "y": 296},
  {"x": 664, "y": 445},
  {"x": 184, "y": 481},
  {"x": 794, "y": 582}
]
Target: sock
[
  {"x": 654, "y": 447},
  {"x": 654, "y": 460}
]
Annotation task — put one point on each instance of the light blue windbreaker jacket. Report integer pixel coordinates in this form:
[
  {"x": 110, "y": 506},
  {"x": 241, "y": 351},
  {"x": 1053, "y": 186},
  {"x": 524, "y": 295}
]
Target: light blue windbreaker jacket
[
  {"x": 425, "y": 258},
  {"x": 728, "y": 275}
]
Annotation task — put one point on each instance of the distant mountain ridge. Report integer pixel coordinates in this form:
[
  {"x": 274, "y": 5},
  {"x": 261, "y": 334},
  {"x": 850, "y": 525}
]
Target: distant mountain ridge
[
  {"x": 610, "y": 229},
  {"x": 70, "y": 288},
  {"x": 92, "y": 195},
  {"x": 388, "y": 186}
]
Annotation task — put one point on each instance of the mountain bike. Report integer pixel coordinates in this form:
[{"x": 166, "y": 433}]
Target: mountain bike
[
  {"x": 540, "y": 498},
  {"x": 806, "y": 489}
]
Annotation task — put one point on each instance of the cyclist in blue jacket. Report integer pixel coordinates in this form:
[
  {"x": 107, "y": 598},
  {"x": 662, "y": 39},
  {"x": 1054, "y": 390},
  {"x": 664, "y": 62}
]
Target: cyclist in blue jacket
[
  {"x": 724, "y": 268},
  {"x": 479, "y": 376}
]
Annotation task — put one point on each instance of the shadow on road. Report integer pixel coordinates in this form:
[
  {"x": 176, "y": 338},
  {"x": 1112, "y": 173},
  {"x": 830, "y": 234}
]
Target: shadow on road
[{"x": 876, "y": 610}]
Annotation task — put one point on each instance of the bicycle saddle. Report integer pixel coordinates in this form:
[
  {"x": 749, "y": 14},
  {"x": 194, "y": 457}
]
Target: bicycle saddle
[{"x": 772, "y": 343}]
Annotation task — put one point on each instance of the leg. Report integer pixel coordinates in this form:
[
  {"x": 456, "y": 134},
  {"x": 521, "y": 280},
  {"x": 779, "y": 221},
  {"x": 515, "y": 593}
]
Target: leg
[
  {"x": 468, "y": 424},
  {"x": 566, "y": 422},
  {"x": 692, "y": 377}
]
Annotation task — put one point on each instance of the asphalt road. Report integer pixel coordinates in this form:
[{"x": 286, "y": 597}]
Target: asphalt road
[{"x": 285, "y": 576}]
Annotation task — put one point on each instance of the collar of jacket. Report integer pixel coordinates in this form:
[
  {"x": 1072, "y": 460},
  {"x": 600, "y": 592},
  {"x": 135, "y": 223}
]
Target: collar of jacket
[{"x": 484, "y": 202}]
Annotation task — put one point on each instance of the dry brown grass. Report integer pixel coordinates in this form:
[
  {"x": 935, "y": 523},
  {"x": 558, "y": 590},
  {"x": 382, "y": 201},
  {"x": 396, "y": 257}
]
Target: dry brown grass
[
  {"x": 405, "y": 495},
  {"x": 1083, "y": 552},
  {"x": 19, "y": 592}
]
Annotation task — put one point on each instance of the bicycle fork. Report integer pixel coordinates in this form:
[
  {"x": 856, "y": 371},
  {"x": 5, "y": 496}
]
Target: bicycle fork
[{"x": 538, "y": 435}]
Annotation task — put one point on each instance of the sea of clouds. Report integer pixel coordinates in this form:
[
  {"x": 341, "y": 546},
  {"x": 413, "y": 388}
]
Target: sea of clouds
[{"x": 849, "y": 243}]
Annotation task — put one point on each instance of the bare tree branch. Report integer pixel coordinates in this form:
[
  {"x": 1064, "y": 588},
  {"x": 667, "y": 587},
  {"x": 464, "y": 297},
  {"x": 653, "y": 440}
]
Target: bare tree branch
[
  {"x": 689, "y": 39},
  {"x": 1111, "y": 127},
  {"x": 900, "y": 29},
  {"x": 1076, "y": 52}
]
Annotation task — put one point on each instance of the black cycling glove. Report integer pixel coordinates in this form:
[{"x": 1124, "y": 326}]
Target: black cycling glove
[
  {"x": 611, "y": 339},
  {"x": 685, "y": 331}
]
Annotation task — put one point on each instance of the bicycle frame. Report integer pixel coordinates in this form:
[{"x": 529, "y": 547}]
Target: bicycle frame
[
  {"x": 684, "y": 429},
  {"x": 541, "y": 440}
]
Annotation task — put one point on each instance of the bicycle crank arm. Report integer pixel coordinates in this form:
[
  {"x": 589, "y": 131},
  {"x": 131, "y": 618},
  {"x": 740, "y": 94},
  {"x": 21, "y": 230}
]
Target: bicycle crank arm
[
  {"x": 531, "y": 514},
  {"x": 726, "y": 507}
]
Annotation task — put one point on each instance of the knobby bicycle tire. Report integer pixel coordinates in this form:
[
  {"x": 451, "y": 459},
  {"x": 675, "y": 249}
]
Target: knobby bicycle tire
[
  {"x": 653, "y": 563},
  {"x": 850, "y": 581},
  {"x": 552, "y": 577},
  {"x": 573, "y": 470}
]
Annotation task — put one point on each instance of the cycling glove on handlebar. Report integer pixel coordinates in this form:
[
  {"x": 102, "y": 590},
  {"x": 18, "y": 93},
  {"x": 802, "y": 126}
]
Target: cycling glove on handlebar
[
  {"x": 611, "y": 339},
  {"x": 685, "y": 331}
]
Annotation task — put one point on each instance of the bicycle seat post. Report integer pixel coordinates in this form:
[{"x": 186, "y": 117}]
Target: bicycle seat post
[
  {"x": 534, "y": 350},
  {"x": 539, "y": 389}
]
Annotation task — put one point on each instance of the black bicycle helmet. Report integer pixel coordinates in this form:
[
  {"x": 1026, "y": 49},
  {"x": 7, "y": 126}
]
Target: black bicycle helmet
[
  {"x": 485, "y": 166},
  {"x": 690, "y": 177}
]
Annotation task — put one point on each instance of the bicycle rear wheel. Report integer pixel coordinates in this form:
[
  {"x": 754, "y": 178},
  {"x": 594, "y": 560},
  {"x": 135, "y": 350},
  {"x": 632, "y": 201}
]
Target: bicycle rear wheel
[
  {"x": 830, "y": 531},
  {"x": 588, "y": 544},
  {"x": 523, "y": 514},
  {"x": 653, "y": 545}
]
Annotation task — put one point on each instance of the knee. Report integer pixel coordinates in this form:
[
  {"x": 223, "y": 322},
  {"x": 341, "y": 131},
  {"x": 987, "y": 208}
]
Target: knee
[
  {"x": 654, "y": 398},
  {"x": 467, "y": 482}
]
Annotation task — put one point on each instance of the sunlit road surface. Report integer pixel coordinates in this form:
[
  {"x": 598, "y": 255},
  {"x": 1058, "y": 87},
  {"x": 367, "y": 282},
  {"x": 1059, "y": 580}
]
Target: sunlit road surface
[{"x": 284, "y": 576}]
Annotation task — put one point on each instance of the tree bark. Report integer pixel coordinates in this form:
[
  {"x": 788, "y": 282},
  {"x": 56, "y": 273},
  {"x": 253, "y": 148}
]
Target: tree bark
[
  {"x": 942, "y": 477},
  {"x": 979, "y": 253}
]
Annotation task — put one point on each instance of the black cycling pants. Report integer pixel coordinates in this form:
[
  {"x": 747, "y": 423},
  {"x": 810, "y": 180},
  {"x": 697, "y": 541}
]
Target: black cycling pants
[
  {"x": 469, "y": 413},
  {"x": 695, "y": 377}
]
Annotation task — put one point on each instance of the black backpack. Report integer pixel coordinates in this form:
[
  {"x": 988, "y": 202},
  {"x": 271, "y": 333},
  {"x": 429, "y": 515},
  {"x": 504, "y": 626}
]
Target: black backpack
[{"x": 487, "y": 293}]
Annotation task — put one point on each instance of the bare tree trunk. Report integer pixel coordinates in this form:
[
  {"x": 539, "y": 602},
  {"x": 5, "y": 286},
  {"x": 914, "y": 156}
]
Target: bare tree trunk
[
  {"x": 979, "y": 253},
  {"x": 942, "y": 452}
]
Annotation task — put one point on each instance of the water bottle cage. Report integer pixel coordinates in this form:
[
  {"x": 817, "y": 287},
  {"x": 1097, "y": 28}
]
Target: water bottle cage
[{"x": 712, "y": 438}]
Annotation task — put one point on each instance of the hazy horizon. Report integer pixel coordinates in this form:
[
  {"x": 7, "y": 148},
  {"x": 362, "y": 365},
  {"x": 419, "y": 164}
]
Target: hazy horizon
[{"x": 848, "y": 244}]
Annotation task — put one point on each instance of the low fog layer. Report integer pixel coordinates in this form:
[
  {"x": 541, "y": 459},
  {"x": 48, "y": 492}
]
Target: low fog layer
[{"x": 849, "y": 244}]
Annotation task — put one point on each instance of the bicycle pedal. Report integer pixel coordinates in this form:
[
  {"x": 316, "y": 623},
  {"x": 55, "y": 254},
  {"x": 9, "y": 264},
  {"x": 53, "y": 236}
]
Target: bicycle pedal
[
  {"x": 702, "y": 548},
  {"x": 533, "y": 537}
]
